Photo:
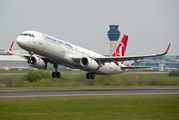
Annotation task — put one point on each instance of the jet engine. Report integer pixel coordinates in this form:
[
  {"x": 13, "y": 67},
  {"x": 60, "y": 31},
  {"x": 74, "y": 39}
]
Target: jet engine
[
  {"x": 89, "y": 63},
  {"x": 37, "y": 62}
]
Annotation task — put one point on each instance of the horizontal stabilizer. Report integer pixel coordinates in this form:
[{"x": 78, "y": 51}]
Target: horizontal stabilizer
[{"x": 136, "y": 67}]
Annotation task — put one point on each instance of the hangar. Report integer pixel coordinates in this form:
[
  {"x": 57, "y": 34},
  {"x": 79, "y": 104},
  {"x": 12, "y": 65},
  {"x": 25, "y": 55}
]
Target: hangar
[{"x": 13, "y": 61}]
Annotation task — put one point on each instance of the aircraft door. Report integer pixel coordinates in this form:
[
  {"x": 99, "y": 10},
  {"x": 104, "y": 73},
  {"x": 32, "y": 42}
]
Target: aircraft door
[
  {"x": 63, "y": 49},
  {"x": 40, "y": 39}
]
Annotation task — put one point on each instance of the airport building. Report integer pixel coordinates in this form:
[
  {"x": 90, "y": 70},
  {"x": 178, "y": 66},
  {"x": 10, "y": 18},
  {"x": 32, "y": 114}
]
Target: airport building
[
  {"x": 113, "y": 35},
  {"x": 13, "y": 62},
  {"x": 160, "y": 63}
]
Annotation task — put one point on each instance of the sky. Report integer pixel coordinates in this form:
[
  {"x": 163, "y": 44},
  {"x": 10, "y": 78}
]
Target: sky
[{"x": 150, "y": 24}]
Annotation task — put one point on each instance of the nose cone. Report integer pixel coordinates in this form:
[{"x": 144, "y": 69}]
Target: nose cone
[{"x": 20, "y": 41}]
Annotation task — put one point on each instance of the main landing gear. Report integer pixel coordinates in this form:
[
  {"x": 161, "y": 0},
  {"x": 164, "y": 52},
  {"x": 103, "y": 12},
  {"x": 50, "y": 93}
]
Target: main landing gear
[
  {"x": 90, "y": 75},
  {"x": 56, "y": 74}
]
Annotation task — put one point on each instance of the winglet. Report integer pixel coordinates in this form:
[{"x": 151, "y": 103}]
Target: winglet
[
  {"x": 167, "y": 48},
  {"x": 11, "y": 46}
]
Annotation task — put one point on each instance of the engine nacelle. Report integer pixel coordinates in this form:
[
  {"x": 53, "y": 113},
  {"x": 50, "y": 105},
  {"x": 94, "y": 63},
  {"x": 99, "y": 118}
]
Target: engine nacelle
[
  {"x": 89, "y": 63},
  {"x": 37, "y": 62}
]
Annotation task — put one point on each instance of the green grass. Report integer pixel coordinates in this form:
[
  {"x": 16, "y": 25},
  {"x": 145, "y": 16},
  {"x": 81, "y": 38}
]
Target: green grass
[
  {"x": 77, "y": 80},
  {"x": 91, "y": 108},
  {"x": 164, "y": 76},
  {"x": 26, "y": 71},
  {"x": 10, "y": 76},
  {"x": 13, "y": 71},
  {"x": 144, "y": 76}
]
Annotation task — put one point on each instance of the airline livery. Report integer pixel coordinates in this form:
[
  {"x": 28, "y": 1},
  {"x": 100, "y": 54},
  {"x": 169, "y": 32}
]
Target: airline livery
[{"x": 43, "y": 48}]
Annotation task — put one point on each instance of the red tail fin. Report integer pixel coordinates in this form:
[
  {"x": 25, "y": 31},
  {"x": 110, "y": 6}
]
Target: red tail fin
[
  {"x": 11, "y": 46},
  {"x": 120, "y": 50}
]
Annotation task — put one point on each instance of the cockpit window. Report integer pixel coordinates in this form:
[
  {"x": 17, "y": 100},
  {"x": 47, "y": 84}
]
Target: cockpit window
[{"x": 26, "y": 34}]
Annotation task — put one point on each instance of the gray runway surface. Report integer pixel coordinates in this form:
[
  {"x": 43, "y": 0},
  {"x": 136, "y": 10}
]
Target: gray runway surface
[{"x": 85, "y": 92}]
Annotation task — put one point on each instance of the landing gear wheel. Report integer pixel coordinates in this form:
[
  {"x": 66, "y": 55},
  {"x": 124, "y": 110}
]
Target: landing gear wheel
[
  {"x": 92, "y": 75},
  {"x": 87, "y": 75},
  {"x": 58, "y": 75},
  {"x": 53, "y": 74},
  {"x": 30, "y": 61}
]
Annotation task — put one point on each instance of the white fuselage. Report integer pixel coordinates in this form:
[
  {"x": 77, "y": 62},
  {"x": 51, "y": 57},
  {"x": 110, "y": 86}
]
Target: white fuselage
[{"x": 62, "y": 52}]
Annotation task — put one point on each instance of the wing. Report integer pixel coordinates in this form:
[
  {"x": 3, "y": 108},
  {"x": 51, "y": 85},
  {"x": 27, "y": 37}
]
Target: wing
[
  {"x": 124, "y": 58},
  {"x": 127, "y": 58}
]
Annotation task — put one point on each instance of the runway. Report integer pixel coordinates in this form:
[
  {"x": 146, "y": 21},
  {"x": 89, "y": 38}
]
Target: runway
[{"x": 86, "y": 92}]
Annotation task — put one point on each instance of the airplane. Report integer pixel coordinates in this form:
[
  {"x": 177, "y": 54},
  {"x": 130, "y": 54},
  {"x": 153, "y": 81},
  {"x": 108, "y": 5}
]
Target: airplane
[{"x": 43, "y": 48}]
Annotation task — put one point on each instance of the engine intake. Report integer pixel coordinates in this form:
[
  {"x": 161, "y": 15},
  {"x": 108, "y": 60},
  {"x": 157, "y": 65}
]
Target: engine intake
[
  {"x": 89, "y": 63},
  {"x": 37, "y": 62}
]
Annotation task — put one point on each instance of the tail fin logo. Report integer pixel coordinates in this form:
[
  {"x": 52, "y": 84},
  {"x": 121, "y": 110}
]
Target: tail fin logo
[
  {"x": 119, "y": 51},
  {"x": 121, "y": 48}
]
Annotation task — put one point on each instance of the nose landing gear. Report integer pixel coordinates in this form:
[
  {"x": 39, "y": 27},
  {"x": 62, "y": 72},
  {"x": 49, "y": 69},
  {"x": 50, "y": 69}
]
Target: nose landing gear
[{"x": 31, "y": 60}]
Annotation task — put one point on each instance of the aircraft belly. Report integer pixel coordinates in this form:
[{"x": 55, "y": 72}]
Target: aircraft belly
[{"x": 108, "y": 69}]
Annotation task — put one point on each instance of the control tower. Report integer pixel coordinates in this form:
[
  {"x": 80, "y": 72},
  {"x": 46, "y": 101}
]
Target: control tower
[{"x": 113, "y": 35}]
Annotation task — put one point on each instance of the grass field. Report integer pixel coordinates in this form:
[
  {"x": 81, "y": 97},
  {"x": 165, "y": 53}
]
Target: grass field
[
  {"x": 148, "y": 107},
  {"x": 91, "y": 107},
  {"x": 77, "y": 80}
]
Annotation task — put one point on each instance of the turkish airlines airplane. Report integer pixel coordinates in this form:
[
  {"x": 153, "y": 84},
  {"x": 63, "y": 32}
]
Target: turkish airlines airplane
[{"x": 43, "y": 48}]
